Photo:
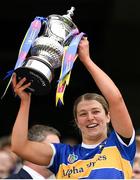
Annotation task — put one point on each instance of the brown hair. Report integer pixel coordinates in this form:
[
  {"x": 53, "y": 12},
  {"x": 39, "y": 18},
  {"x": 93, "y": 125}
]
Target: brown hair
[{"x": 90, "y": 96}]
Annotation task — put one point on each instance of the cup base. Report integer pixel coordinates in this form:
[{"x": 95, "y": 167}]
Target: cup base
[{"x": 40, "y": 85}]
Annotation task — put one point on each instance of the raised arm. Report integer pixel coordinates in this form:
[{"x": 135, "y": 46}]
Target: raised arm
[
  {"x": 120, "y": 117},
  {"x": 35, "y": 152}
]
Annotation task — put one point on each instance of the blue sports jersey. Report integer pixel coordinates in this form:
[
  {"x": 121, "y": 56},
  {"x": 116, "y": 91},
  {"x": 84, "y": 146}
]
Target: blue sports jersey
[{"x": 111, "y": 159}]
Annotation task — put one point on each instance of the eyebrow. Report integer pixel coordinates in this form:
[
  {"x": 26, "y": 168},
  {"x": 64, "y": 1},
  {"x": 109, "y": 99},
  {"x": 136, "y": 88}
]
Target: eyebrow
[{"x": 96, "y": 108}]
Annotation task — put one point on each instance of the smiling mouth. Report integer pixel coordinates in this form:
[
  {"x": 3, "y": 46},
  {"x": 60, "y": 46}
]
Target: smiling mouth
[{"x": 92, "y": 125}]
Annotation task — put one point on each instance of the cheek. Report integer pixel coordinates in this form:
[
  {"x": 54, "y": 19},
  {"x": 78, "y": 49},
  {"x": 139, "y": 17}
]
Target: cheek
[
  {"x": 101, "y": 121},
  {"x": 102, "y": 118},
  {"x": 80, "y": 121},
  {"x": 104, "y": 124}
]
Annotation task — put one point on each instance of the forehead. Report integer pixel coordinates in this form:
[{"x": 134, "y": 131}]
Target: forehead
[
  {"x": 88, "y": 104},
  {"x": 52, "y": 138},
  {"x": 4, "y": 154}
]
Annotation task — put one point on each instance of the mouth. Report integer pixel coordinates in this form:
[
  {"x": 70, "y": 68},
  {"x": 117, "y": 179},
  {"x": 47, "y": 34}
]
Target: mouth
[{"x": 92, "y": 126}]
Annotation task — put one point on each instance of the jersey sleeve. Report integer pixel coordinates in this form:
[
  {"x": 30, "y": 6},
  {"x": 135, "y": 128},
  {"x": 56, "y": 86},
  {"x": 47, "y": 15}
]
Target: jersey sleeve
[
  {"x": 58, "y": 157},
  {"x": 127, "y": 150}
]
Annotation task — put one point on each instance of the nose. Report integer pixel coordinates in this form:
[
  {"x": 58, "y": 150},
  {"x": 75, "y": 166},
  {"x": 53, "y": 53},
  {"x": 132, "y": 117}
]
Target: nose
[{"x": 90, "y": 116}]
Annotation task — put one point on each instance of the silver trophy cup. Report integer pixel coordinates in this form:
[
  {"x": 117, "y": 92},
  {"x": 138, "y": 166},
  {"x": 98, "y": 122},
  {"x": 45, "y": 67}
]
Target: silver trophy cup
[{"x": 46, "y": 53}]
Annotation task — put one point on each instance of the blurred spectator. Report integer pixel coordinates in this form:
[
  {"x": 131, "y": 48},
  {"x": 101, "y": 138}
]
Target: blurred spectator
[
  {"x": 7, "y": 163},
  {"x": 138, "y": 140},
  {"x": 136, "y": 166},
  {"x": 5, "y": 144},
  {"x": 38, "y": 133},
  {"x": 71, "y": 140}
]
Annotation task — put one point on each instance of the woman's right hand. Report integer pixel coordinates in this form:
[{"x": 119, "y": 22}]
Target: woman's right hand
[
  {"x": 83, "y": 50},
  {"x": 19, "y": 88}
]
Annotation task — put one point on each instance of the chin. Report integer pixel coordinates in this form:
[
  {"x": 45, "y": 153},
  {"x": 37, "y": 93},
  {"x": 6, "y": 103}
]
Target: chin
[
  {"x": 96, "y": 135},
  {"x": 93, "y": 134}
]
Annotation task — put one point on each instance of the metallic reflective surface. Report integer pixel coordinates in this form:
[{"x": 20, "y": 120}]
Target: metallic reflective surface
[{"x": 47, "y": 50}]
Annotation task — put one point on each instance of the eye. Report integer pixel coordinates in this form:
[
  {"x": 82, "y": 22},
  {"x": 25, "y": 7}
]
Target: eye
[
  {"x": 83, "y": 114},
  {"x": 95, "y": 112}
]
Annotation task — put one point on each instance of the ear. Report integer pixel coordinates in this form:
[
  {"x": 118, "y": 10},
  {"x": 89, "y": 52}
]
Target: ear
[{"x": 108, "y": 117}]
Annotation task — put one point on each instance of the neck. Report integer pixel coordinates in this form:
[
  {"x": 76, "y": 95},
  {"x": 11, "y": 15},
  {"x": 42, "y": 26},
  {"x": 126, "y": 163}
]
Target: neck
[
  {"x": 94, "y": 140},
  {"x": 42, "y": 170}
]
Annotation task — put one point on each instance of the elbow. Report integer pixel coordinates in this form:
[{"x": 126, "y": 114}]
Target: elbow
[
  {"x": 14, "y": 149},
  {"x": 17, "y": 148},
  {"x": 117, "y": 98}
]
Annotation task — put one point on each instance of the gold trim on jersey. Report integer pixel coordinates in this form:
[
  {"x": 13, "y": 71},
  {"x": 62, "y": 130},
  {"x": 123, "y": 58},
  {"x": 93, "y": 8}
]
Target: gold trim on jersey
[{"x": 110, "y": 157}]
